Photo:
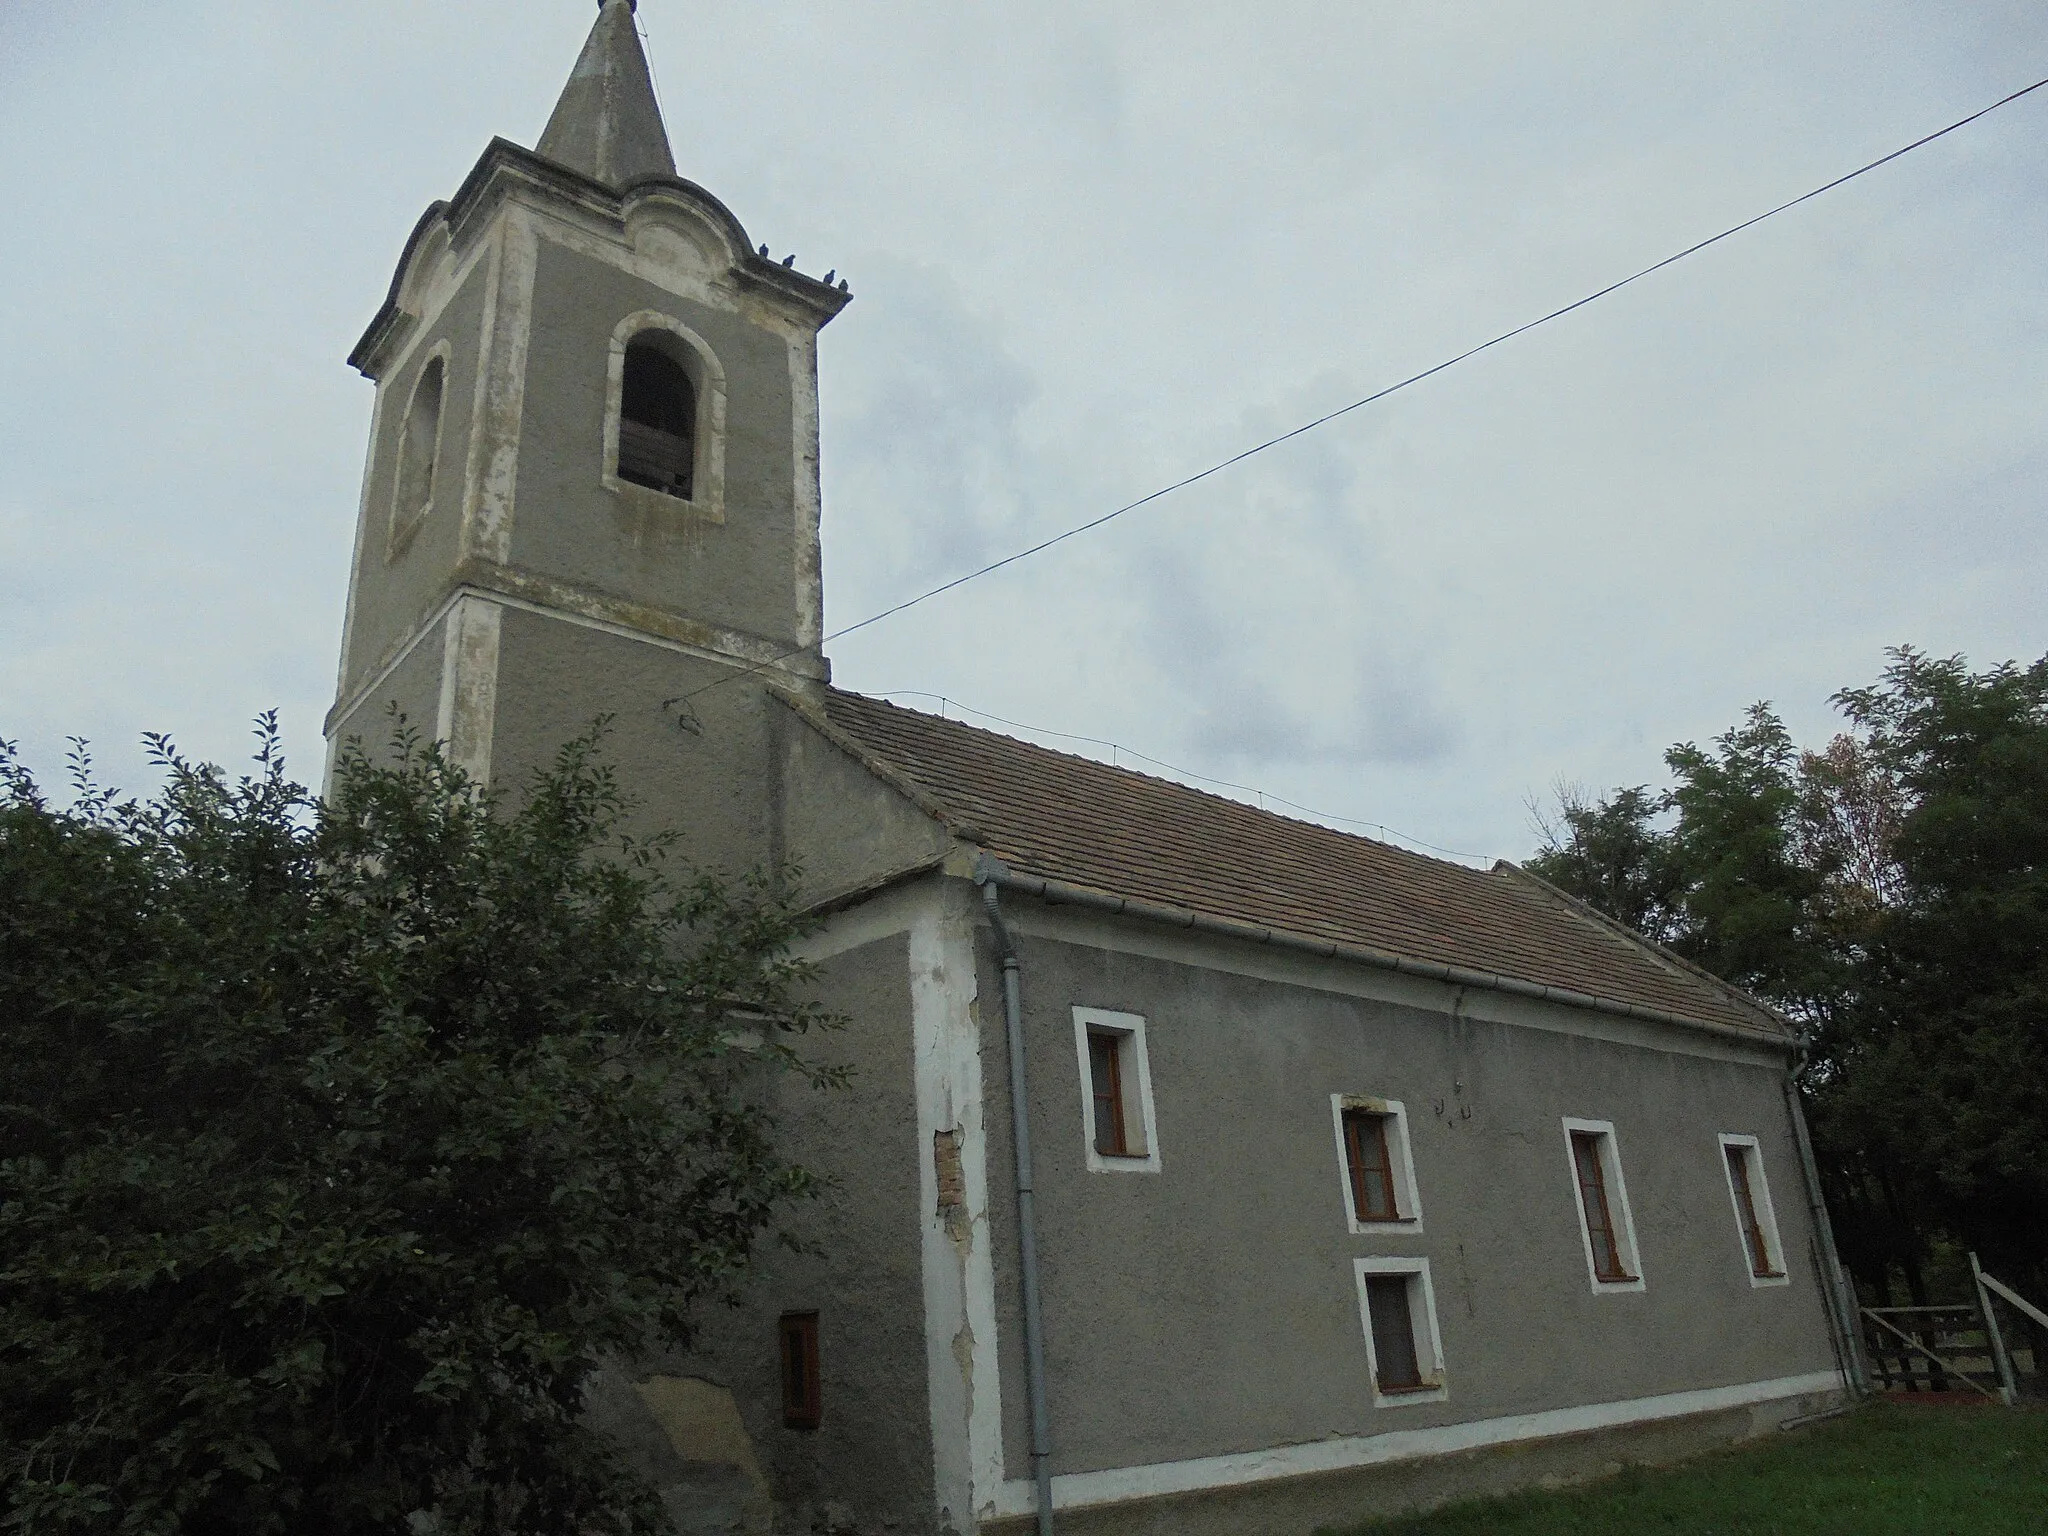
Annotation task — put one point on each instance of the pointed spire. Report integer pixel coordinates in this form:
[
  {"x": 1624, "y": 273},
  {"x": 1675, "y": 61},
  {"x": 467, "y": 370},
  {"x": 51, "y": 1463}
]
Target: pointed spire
[{"x": 607, "y": 125}]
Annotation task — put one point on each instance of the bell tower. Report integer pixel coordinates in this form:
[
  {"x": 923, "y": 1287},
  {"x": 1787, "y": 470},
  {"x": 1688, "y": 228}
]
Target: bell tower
[{"x": 592, "y": 479}]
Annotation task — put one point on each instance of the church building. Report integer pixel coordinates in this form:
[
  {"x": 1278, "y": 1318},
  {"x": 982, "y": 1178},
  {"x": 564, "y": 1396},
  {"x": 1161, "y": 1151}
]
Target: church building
[{"x": 1203, "y": 1169}]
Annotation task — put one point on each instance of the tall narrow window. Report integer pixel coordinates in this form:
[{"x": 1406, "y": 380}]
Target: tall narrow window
[
  {"x": 1599, "y": 1211},
  {"x": 1395, "y": 1367},
  {"x": 1105, "y": 1074},
  {"x": 1755, "y": 1221},
  {"x": 1375, "y": 1160},
  {"x": 657, "y": 419},
  {"x": 802, "y": 1398},
  {"x": 1372, "y": 1166},
  {"x": 1403, "y": 1349},
  {"x": 1116, "y": 1092},
  {"x": 1601, "y": 1194},
  {"x": 419, "y": 449}
]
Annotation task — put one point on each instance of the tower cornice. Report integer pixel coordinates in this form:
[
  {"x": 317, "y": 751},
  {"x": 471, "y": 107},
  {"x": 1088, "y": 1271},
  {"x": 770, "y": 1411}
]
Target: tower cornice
[{"x": 505, "y": 165}]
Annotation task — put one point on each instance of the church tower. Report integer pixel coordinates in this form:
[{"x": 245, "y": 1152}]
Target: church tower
[{"x": 592, "y": 479}]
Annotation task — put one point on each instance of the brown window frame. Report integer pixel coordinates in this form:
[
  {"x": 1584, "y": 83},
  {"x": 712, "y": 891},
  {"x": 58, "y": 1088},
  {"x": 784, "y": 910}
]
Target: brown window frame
[
  {"x": 1112, "y": 1139},
  {"x": 1359, "y": 1125},
  {"x": 1586, "y": 1147},
  {"x": 1737, "y": 1154},
  {"x": 1385, "y": 1379},
  {"x": 803, "y": 1398}
]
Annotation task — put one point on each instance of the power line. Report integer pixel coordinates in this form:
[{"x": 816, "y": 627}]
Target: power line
[
  {"x": 1264, "y": 795},
  {"x": 1380, "y": 394}
]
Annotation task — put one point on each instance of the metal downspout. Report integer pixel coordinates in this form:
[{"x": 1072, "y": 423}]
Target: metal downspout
[
  {"x": 1841, "y": 1302},
  {"x": 1027, "y": 1215}
]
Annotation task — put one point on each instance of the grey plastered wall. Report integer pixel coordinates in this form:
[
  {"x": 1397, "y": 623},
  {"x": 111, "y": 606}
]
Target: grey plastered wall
[
  {"x": 413, "y": 689},
  {"x": 713, "y": 783},
  {"x": 1212, "y": 1308},
  {"x": 872, "y": 1451},
  {"x": 391, "y": 594},
  {"x": 738, "y": 575},
  {"x": 747, "y": 782},
  {"x": 840, "y": 824}
]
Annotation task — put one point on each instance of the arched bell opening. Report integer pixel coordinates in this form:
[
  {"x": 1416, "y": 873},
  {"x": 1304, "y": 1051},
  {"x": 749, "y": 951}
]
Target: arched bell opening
[{"x": 658, "y": 417}]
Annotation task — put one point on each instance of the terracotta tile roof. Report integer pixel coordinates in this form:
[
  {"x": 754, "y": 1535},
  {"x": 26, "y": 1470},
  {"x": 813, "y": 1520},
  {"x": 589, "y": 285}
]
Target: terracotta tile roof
[{"x": 1058, "y": 817}]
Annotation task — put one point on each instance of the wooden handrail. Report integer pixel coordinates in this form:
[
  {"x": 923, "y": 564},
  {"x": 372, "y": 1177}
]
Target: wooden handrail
[
  {"x": 2024, "y": 1305},
  {"x": 1914, "y": 1344}
]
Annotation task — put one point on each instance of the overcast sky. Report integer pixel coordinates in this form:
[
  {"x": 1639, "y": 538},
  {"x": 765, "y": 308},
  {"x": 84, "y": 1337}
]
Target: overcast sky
[{"x": 1094, "y": 248}]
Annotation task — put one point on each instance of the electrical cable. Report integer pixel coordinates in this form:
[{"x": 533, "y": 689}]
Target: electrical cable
[{"x": 1377, "y": 395}]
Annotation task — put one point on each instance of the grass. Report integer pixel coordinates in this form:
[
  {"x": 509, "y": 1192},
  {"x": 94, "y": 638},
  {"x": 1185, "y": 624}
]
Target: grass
[{"x": 1887, "y": 1468}]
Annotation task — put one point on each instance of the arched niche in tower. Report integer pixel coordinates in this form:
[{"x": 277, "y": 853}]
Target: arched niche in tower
[
  {"x": 419, "y": 451},
  {"x": 664, "y": 420}
]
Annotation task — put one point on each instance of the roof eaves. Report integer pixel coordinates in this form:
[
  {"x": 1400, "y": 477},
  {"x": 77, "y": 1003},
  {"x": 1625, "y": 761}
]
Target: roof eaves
[
  {"x": 1667, "y": 957},
  {"x": 1059, "y": 892}
]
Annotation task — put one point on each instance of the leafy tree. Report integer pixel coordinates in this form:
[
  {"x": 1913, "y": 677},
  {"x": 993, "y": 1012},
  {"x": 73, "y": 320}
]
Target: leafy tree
[
  {"x": 1745, "y": 888},
  {"x": 1955, "y": 996},
  {"x": 341, "y": 1142},
  {"x": 1611, "y": 854},
  {"x": 1890, "y": 892}
]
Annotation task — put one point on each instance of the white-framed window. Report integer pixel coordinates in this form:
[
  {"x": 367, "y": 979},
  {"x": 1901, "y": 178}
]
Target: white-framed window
[
  {"x": 1404, "y": 1352},
  {"x": 419, "y": 451},
  {"x": 1756, "y": 1222},
  {"x": 1607, "y": 1228},
  {"x": 1121, "y": 1133},
  {"x": 1376, "y": 1164},
  {"x": 664, "y": 418}
]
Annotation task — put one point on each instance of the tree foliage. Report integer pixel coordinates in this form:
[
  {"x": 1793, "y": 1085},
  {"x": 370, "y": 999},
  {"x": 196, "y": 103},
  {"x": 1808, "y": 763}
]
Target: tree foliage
[
  {"x": 341, "y": 1142},
  {"x": 1889, "y": 892}
]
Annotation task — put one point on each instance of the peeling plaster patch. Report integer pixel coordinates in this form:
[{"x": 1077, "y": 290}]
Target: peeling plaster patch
[
  {"x": 702, "y": 1422},
  {"x": 963, "y": 1354},
  {"x": 959, "y": 1280},
  {"x": 952, "y": 1189}
]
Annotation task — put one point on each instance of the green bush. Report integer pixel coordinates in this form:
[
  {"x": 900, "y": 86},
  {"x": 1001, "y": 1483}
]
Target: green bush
[{"x": 341, "y": 1142}]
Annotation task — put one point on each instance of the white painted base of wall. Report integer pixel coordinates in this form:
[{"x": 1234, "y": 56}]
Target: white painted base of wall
[{"x": 1079, "y": 1490}]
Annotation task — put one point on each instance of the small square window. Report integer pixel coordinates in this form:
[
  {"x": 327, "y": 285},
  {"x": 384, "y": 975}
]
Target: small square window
[
  {"x": 1605, "y": 1222},
  {"x": 1756, "y": 1223},
  {"x": 1379, "y": 1172},
  {"x": 1404, "y": 1351},
  {"x": 802, "y": 1391},
  {"x": 1116, "y": 1092}
]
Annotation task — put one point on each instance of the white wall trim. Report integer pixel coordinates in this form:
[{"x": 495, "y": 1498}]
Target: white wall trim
[
  {"x": 1766, "y": 1213},
  {"x": 1078, "y": 1490},
  {"x": 746, "y": 651},
  {"x": 466, "y": 720},
  {"x": 1429, "y": 1339},
  {"x": 1137, "y": 1092},
  {"x": 1407, "y": 1198},
  {"x": 964, "y": 1392},
  {"x": 1617, "y": 1195},
  {"x": 807, "y": 494},
  {"x": 492, "y": 472}
]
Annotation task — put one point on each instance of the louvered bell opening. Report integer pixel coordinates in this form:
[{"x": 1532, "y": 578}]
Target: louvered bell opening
[
  {"x": 657, "y": 422},
  {"x": 651, "y": 457}
]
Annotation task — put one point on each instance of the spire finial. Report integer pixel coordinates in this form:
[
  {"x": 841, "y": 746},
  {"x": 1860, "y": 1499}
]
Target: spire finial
[{"x": 607, "y": 124}]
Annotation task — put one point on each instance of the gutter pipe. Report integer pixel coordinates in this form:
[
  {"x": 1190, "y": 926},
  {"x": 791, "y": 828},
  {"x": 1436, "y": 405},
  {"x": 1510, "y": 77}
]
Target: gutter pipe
[
  {"x": 1841, "y": 1301},
  {"x": 1027, "y": 1213}
]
